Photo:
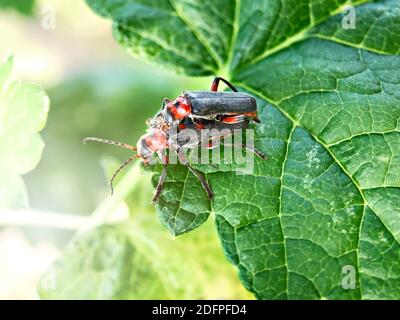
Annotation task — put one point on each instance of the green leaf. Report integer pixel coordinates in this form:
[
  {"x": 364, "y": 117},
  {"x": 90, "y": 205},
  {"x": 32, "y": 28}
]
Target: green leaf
[
  {"x": 25, "y": 7},
  {"x": 328, "y": 197},
  {"x": 121, "y": 261},
  {"x": 23, "y": 113},
  {"x": 377, "y": 28},
  {"x": 182, "y": 206},
  {"x": 102, "y": 264},
  {"x": 5, "y": 71}
]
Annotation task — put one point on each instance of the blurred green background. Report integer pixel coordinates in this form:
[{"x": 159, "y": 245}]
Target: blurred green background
[{"x": 96, "y": 89}]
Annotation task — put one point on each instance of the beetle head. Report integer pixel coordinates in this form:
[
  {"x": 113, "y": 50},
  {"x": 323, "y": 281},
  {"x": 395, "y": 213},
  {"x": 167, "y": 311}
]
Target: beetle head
[{"x": 154, "y": 141}]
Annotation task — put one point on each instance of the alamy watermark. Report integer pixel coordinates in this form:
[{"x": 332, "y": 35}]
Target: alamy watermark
[
  {"x": 348, "y": 277},
  {"x": 212, "y": 147},
  {"x": 48, "y": 21},
  {"x": 349, "y": 18}
]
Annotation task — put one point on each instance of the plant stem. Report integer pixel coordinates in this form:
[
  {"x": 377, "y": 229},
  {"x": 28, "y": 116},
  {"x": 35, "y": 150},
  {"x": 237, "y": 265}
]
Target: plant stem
[
  {"x": 43, "y": 219},
  {"x": 54, "y": 220},
  {"x": 103, "y": 212}
]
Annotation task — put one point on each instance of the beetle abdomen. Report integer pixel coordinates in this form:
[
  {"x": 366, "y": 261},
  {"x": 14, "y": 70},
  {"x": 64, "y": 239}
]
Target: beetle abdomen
[{"x": 209, "y": 103}]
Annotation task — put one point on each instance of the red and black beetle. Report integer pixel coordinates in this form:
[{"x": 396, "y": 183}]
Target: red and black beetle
[
  {"x": 195, "y": 110},
  {"x": 225, "y": 107}
]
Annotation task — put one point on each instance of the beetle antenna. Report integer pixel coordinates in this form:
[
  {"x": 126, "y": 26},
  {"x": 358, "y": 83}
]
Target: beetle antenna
[
  {"x": 106, "y": 141},
  {"x": 119, "y": 169}
]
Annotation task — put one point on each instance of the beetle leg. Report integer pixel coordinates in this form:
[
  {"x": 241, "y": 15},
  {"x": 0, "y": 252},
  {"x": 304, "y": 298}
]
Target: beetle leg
[
  {"x": 203, "y": 181},
  {"x": 257, "y": 152},
  {"x": 253, "y": 116},
  {"x": 160, "y": 184},
  {"x": 215, "y": 83}
]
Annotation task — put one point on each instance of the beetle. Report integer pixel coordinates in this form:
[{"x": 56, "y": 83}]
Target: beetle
[
  {"x": 229, "y": 107},
  {"x": 195, "y": 110}
]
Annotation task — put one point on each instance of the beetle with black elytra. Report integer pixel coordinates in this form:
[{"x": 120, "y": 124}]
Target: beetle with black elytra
[{"x": 194, "y": 110}]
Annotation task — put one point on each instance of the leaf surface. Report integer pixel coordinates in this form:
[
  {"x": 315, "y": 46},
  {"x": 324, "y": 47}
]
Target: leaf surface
[
  {"x": 102, "y": 264},
  {"x": 25, "y": 7},
  {"x": 328, "y": 197},
  {"x": 23, "y": 113}
]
